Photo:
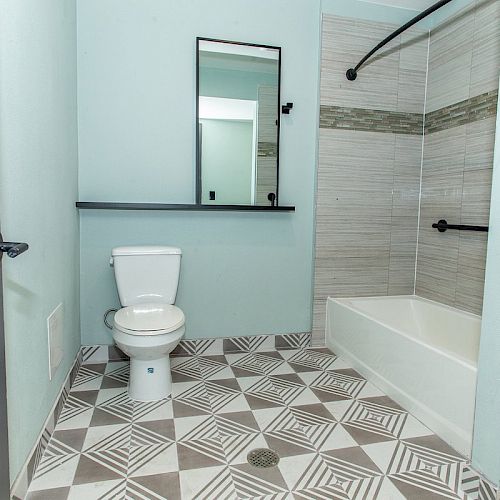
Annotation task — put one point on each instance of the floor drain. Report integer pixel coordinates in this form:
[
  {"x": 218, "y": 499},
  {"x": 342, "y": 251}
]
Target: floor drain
[{"x": 263, "y": 457}]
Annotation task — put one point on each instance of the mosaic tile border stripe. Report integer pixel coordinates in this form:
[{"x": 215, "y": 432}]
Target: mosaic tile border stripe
[
  {"x": 463, "y": 112},
  {"x": 371, "y": 120},
  {"x": 21, "y": 484},
  {"x": 395, "y": 122}
]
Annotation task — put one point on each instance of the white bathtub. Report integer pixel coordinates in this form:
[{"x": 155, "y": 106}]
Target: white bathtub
[{"x": 421, "y": 353}]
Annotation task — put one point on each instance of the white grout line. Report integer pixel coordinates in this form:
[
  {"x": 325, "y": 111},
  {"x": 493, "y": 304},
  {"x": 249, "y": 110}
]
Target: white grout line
[{"x": 421, "y": 163}]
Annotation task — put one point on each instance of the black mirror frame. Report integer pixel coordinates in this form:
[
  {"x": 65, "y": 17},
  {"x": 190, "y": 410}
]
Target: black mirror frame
[{"x": 278, "y": 113}]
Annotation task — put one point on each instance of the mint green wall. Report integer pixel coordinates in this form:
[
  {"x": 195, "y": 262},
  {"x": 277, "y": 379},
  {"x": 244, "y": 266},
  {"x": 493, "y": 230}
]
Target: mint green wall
[
  {"x": 486, "y": 445},
  {"x": 216, "y": 82},
  {"x": 227, "y": 154},
  {"x": 38, "y": 188},
  {"x": 242, "y": 273}
]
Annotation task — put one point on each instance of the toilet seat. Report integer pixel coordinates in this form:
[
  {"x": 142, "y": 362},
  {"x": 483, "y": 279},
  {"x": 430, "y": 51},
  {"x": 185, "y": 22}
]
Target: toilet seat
[{"x": 149, "y": 319}]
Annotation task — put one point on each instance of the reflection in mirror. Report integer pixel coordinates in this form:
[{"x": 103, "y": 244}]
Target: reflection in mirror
[{"x": 238, "y": 123}]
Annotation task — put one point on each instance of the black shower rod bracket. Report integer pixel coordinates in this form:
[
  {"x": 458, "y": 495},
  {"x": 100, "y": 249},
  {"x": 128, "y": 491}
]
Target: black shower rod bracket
[{"x": 352, "y": 73}]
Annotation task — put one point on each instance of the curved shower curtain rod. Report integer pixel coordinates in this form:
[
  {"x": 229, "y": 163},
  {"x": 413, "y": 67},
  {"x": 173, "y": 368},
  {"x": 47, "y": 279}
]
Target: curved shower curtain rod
[{"x": 352, "y": 73}]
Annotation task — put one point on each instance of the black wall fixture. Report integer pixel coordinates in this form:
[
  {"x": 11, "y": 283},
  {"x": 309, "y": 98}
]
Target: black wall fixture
[
  {"x": 13, "y": 249},
  {"x": 442, "y": 226},
  {"x": 285, "y": 109},
  {"x": 352, "y": 73}
]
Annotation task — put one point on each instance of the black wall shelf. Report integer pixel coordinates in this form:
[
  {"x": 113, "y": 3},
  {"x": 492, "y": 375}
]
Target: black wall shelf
[{"x": 106, "y": 205}]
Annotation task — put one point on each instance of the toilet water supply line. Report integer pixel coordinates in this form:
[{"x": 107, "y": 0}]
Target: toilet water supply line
[{"x": 106, "y": 314}]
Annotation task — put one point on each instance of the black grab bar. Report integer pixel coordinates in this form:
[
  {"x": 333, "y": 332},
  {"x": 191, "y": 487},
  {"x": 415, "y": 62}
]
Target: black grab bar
[
  {"x": 442, "y": 226},
  {"x": 352, "y": 73}
]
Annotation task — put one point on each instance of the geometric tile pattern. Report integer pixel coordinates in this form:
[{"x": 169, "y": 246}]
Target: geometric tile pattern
[
  {"x": 105, "y": 353},
  {"x": 337, "y": 435},
  {"x": 243, "y": 344}
]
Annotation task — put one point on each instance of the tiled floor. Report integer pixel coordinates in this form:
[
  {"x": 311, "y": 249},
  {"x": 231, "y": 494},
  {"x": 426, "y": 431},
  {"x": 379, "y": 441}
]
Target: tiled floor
[{"x": 337, "y": 435}]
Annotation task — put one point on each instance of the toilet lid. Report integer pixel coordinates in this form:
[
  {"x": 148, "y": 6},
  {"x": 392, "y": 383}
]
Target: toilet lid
[{"x": 149, "y": 319}]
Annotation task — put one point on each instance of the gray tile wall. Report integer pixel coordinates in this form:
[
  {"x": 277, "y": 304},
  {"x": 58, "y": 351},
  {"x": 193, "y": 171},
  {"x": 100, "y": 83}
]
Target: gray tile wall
[
  {"x": 464, "y": 64},
  {"x": 369, "y": 170},
  {"x": 369, "y": 164}
]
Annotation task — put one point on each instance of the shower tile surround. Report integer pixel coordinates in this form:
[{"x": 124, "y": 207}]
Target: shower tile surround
[
  {"x": 337, "y": 435},
  {"x": 464, "y": 63},
  {"x": 379, "y": 133}
]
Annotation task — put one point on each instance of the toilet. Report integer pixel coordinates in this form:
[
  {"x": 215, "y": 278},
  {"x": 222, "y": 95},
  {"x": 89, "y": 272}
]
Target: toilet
[{"x": 148, "y": 326}]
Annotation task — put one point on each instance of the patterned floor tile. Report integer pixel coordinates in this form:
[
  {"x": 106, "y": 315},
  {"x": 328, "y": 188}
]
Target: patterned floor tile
[
  {"x": 55, "y": 472},
  {"x": 369, "y": 422},
  {"x": 244, "y": 364},
  {"x": 156, "y": 486},
  {"x": 250, "y": 482},
  {"x": 102, "y": 490},
  {"x": 108, "y": 437},
  {"x": 158, "y": 458},
  {"x": 337, "y": 435},
  {"x": 282, "y": 432},
  {"x": 116, "y": 375},
  {"x": 312, "y": 360},
  {"x": 208, "y": 484},
  {"x": 53, "y": 494},
  {"x": 422, "y": 467},
  {"x": 190, "y": 398},
  {"x": 202, "y": 368},
  {"x": 101, "y": 465},
  {"x": 237, "y": 446},
  {"x": 78, "y": 410},
  {"x": 89, "y": 377},
  {"x": 248, "y": 344},
  {"x": 262, "y": 394}
]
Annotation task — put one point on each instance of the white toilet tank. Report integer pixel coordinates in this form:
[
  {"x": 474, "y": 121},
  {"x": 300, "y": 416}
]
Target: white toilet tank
[{"x": 146, "y": 273}]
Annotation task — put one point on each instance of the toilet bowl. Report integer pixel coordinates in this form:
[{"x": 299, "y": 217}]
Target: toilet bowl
[
  {"x": 148, "y": 333},
  {"x": 148, "y": 326}
]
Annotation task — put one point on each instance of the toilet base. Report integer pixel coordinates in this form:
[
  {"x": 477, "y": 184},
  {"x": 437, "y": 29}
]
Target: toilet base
[{"x": 150, "y": 380}]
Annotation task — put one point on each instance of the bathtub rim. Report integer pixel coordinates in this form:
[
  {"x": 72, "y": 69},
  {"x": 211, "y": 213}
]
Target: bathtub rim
[{"x": 343, "y": 301}]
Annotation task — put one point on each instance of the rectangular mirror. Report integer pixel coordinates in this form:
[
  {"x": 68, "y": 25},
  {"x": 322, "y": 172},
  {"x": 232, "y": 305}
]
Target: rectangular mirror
[{"x": 237, "y": 113}]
